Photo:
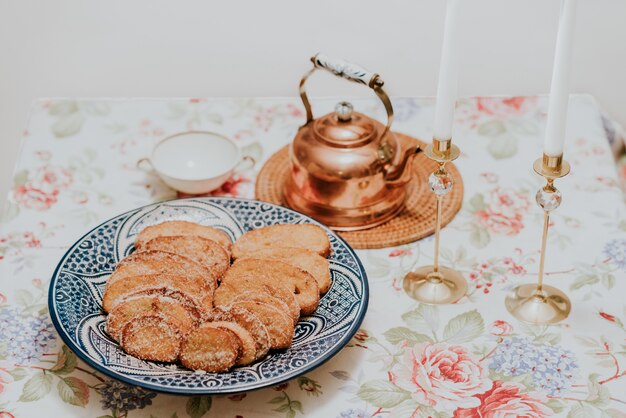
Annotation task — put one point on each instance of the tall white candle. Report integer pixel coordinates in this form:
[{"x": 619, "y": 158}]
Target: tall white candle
[
  {"x": 448, "y": 76},
  {"x": 559, "y": 91}
]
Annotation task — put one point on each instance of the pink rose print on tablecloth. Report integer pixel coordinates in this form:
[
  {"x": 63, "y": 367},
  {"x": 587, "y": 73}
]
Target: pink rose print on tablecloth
[
  {"x": 481, "y": 111},
  {"x": 51, "y": 178},
  {"x": 33, "y": 198},
  {"x": 505, "y": 212},
  {"x": 501, "y": 328},
  {"x": 500, "y": 212},
  {"x": 15, "y": 243},
  {"x": 441, "y": 376},
  {"x": 502, "y": 120},
  {"x": 39, "y": 190},
  {"x": 499, "y": 223},
  {"x": 505, "y": 107},
  {"x": 503, "y": 400},
  {"x": 486, "y": 273},
  {"x": 266, "y": 117}
]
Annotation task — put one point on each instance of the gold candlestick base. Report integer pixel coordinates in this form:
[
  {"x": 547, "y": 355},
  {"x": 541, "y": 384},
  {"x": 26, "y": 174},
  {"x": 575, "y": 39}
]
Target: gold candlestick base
[
  {"x": 441, "y": 287},
  {"x": 435, "y": 284},
  {"x": 538, "y": 303},
  {"x": 547, "y": 306}
]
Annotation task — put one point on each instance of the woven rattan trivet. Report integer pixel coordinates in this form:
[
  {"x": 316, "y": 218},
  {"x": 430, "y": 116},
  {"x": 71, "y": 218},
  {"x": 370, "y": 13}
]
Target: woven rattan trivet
[{"x": 416, "y": 221}]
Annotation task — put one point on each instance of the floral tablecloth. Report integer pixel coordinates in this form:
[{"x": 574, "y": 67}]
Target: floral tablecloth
[{"x": 472, "y": 359}]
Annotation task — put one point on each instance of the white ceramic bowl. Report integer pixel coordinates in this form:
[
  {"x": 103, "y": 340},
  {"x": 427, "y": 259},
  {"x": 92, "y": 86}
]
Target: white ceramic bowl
[{"x": 196, "y": 162}]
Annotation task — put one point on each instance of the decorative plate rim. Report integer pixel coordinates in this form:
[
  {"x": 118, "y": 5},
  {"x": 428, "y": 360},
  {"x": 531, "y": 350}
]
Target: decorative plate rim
[{"x": 338, "y": 346}]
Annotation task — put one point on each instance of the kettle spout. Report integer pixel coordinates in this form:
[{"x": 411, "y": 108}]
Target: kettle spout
[{"x": 397, "y": 175}]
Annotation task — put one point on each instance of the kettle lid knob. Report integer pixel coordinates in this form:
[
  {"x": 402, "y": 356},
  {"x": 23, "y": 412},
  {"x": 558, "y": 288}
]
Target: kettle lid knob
[{"x": 343, "y": 110}]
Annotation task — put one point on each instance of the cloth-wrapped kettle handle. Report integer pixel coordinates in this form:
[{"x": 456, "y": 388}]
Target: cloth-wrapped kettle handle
[
  {"x": 343, "y": 69},
  {"x": 351, "y": 72}
]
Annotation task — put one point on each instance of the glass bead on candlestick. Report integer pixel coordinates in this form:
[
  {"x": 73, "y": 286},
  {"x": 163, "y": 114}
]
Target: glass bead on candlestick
[
  {"x": 440, "y": 182},
  {"x": 549, "y": 199}
]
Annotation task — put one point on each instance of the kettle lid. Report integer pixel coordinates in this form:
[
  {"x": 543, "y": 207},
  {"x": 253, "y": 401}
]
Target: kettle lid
[{"x": 344, "y": 127}]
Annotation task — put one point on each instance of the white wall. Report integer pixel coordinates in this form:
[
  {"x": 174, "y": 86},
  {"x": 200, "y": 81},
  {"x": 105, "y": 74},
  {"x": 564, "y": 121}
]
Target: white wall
[{"x": 261, "y": 47}]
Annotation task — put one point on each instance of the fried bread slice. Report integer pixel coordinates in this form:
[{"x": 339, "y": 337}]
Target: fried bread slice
[
  {"x": 203, "y": 251},
  {"x": 247, "y": 320},
  {"x": 226, "y": 293},
  {"x": 273, "y": 273},
  {"x": 307, "y": 236},
  {"x": 247, "y": 353},
  {"x": 200, "y": 294},
  {"x": 152, "y": 336},
  {"x": 279, "y": 325},
  {"x": 210, "y": 348},
  {"x": 177, "y": 228},
  {"x": 193, "y": 306},
  {"x": 134, "y": 306},
  {"x": 307, "y": 260},
  {"x": 161, "y": 262},
  {"x": 262, "y": 295}
]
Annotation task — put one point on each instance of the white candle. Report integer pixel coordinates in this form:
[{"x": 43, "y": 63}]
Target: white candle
[
  {"x": 448, "y": 76},
  {"x": 559, "y": 91}
]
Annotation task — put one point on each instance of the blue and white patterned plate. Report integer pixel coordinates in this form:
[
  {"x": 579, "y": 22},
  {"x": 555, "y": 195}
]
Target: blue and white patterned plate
[{"x": 76, "y": 289}]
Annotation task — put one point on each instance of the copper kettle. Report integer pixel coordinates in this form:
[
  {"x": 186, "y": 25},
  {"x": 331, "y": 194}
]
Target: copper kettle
[{"x": 348, "y": 170}]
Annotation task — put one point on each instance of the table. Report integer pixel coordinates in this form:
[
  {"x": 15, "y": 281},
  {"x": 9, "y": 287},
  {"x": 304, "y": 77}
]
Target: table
[{"x": 77, "y": 168}]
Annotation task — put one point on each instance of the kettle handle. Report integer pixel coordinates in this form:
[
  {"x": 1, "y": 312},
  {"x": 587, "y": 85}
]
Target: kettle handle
[
  {"x": 343, "y": 69},
  {"x": 349, "y": 72}
]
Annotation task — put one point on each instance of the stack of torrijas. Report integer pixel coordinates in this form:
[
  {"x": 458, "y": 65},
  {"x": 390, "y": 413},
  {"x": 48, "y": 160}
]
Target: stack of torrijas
[{"x": 177, "y": 297}]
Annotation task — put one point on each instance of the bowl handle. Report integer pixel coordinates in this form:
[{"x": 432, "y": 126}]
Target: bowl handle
[
  {"x": 351, "y": 72},
  {"x": 145, "y": 164},
  {"x": 246, "y": 163}
]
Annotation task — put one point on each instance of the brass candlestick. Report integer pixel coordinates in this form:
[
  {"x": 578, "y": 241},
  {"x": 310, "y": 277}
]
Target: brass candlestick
[
  {"x": 436, "y": 284},
  {"x": 542, "y": 304}
]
